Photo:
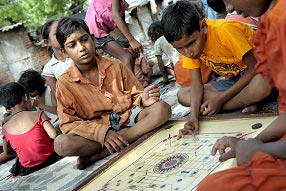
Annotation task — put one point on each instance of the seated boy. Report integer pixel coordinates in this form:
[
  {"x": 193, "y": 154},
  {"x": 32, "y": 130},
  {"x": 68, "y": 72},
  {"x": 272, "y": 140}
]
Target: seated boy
[
  {"x": 224, "y": 46},
  {"x": 102, "y": 107},
  {"x": 262, "y": 160}
]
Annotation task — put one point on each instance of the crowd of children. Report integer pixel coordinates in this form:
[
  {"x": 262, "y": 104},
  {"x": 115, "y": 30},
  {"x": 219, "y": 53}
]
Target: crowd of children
[{"x": 102, "y": 107}]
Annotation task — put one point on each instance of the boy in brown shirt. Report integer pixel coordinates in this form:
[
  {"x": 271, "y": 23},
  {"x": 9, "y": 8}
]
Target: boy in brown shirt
[{"x": 102, "y": 107}]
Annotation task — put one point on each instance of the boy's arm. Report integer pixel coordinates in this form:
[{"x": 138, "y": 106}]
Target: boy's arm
[
  {"x": 213, "y": 103},
  {"x": 192, "y": 126},
  {"x": 123, "y": 27},
  {"x": 245, "y": 150},
  {"x": 7, "y": 147},
  {"x": 49, "y": 127},
  {"x": 51, "y": 81},
  {"x": 162, "y": 69},
  {"x": 70, "y": 123},
  {"x": 51, "y": 109},
  {"x": 196, "y": 92},
  {"x": 275, "y": 131},
  {"x": 132, "y": 84}
]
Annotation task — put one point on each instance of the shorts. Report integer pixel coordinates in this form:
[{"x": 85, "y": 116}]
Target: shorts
[
  {"x": 225, "y": 84},
  {"x": 100, "y": 42},
  {"x": 114, "y": 119}
]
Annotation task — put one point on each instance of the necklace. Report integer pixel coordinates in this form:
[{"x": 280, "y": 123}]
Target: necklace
[{"x": 18, "y": 112}]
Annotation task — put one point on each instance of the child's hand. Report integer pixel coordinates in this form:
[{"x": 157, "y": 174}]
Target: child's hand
[
  {"x": 245, "y": 150},
  {"x": 114, "y": 142},
  {"x": 221, "y": 145},
  {"x": 190, "y": 128},
  {"x": 151, "y": 95},
  {"x": 136, "y": 46},
  {"x": 212, "y": 103}
]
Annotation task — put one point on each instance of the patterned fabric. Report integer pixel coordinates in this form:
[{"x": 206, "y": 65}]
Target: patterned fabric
[
  {"x": 270, "y": 40},
  {"x": 227, "y": 42},
  {"x": 84, "y": 108},
  {"x": 163, "y": 48}
]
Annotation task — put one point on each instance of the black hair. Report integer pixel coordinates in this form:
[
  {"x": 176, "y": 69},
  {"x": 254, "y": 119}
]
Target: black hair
[
  {"x": 155, "y": 31},
  {"x": 32, "y": 80},
  {"x": 67, "y": 26},
  {"x": 45, "y": 29},
  {"x": 11, "y": 94},
  {"x": 217, "y": 5},
  {"x": 179, "y": 19}
]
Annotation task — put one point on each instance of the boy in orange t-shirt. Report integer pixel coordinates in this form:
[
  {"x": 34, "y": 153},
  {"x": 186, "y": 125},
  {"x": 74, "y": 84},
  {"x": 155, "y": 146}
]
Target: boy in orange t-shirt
[{"x": 227, "y": 48}]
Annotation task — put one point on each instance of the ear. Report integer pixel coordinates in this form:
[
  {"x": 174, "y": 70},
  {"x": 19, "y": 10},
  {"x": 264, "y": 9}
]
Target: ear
[
  {"x": 27, "y": 97},
  {"x": 204, "y": 26},
  {"x": 46, "y": 41},
  {"x": 63, "y": 52}
]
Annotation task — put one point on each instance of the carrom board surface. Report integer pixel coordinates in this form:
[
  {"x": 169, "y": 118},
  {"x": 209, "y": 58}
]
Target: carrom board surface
[{"x": 162, "y": 162}]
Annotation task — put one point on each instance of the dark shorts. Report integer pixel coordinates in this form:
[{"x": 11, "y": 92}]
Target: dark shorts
[
  {"x": 100, "y": 42},
  {"x": 114, "y": 119},
  {"x": 225, "y": 84},
  {"x": 18, "y": 169}
]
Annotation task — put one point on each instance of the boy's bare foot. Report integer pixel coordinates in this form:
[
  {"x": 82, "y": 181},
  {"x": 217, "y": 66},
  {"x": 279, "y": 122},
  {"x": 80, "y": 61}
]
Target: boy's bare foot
[
  {"x": 250, "y": 109},
  {"x": 85, "y": 161}
]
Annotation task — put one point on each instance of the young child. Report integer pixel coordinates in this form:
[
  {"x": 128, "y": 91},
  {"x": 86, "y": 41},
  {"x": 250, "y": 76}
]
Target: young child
[
  {"x": 28, "y": 133},
  {"x": 41, "y": 94},
  {"x": 59, "y": 61},
  {"x": 223, "y": 45},
  {"x": 5, "y": 157},
  {"x": 262, "y": 160},
  {"x": 166, "y": 55},
  {"x": 102, "y": 17},
  {"x": 102, "y": 107}
]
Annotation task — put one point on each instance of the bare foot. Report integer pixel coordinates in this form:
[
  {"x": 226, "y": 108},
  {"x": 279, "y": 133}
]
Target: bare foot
[
  {"x": 85, "y": 161},
  {"x": 250, "y": 109}
]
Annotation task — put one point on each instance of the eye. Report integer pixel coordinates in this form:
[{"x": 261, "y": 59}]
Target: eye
[
  {"x": 70, "y": 45},
  {"x": 191, "y": 43},
  {"x": 85, "y": 39}
]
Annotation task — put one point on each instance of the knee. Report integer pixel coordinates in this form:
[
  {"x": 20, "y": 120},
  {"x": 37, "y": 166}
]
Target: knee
[
  {"x": 261, "y": 90},
  {"x": 164, "y": 110},
  {"x": 182, "y": 95},
  {"x": 62, "y": 145},
  {"x": 128, "y": 58}
]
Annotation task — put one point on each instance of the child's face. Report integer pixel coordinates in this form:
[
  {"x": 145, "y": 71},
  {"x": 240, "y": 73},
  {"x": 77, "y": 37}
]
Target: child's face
[
  {"x": 192, "y": 46},
  {"x": 52, "y": 41},
  {"x": 80, "y": 47},
  {"x": 247, "y": 7}
]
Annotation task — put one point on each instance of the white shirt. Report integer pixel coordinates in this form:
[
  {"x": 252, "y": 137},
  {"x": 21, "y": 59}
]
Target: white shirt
[
  {"x": 55, "y": 68},
  {"x": 163, "y": 48}
]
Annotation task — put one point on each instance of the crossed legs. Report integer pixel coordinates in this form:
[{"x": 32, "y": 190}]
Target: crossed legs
[
  {"x": 258, "y": 88},
  {"x": 90, "y": 151}
]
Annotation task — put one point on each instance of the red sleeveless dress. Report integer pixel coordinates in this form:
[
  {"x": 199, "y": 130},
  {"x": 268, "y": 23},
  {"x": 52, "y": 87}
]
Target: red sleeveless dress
[{"x": 32, "y": 147}]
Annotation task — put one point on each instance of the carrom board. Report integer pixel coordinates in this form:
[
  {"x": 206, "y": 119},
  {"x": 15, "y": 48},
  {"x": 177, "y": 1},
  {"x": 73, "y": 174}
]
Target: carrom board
[{"x": 163, "y": 163}]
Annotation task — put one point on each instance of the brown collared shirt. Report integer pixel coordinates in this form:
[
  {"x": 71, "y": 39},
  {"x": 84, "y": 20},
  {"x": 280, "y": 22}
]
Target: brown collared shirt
[{"x": 84, "y": 108}]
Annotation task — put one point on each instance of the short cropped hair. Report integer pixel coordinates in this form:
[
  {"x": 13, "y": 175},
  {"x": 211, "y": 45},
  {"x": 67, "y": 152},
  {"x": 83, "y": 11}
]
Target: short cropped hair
[
  {"x": 180, "y": 19},
  {"x": 32, "y": 80},
  {"x": 155, "y": 30},
  {"x": 11, "y": 94},
  {"x": 68, "y": 26}
]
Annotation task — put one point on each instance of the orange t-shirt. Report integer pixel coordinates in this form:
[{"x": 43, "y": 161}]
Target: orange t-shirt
[{"x": 227, "y": 42}]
